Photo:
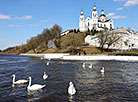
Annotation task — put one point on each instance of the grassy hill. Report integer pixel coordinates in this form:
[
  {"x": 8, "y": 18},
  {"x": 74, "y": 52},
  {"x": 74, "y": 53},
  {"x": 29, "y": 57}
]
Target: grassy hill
[{"x": 72, "y": 43}]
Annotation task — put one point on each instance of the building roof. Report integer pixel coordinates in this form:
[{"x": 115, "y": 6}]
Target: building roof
[
  {"x": 122, "y": 29},
  {"x": 91, "y": 36},
  {"x": 102, "y": 15},
  {"x": 104, "y": 21},
  {"x": 119, "y": 31}
]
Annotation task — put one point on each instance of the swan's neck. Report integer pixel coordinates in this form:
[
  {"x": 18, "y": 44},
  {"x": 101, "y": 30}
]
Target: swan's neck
[
  {"x": 29, "y": 82},
  {"x": 71, "y": 86},
  {"x": 13, "y": 80}
]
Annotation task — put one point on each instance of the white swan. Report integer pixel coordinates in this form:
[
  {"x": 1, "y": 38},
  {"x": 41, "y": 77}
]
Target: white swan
[
  {"x": 47, "y": 63},
  {"x": 90, "y": 66},
  {"x": 18, "y": 81},
  {"x": 45, "y": 76},
  {"x": 35, "y": 86},
  {"x": 71, "y": 89},
  {"x": 102, "y": 70},
  {"x": 83, "y": 65}
]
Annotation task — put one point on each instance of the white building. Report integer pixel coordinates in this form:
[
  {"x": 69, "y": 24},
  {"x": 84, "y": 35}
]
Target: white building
[
  {"x": 95, "y": 23},
  {"x": 128, "y": 40}
]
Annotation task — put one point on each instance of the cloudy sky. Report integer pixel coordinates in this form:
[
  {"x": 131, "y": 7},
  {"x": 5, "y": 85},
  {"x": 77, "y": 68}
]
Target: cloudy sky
[{"x": 22, "y": 19}]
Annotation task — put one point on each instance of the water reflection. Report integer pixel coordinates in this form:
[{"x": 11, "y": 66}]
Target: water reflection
[
  {"x": 71, "y": 97},
  {"x": 33, "y": 95},
  {"x": 102, "y": 74},
  {"x": 13, "y": 89}
]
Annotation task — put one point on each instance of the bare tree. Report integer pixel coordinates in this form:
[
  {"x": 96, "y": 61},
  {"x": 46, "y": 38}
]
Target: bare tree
[
  {"x": 55, "y": 32},
  {"x": 39, "y": 42},
  {"x": 107, "y": 38},
  {"x": 102, "y": 39},
  {"x": 113, "y": 38}
]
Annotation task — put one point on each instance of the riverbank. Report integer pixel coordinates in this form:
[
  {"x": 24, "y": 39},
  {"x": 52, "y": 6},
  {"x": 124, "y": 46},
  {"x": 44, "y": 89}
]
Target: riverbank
[{"x": 66, "y": 56}]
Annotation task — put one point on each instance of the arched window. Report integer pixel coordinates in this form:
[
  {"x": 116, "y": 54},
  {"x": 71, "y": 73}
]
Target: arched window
[
  {"x": 88, "y": 23},
  {"x": 110, "y": 26}
]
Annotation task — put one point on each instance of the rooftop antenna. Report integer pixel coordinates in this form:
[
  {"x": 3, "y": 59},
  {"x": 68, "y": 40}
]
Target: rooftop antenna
[{"x": 94, "y": 2}]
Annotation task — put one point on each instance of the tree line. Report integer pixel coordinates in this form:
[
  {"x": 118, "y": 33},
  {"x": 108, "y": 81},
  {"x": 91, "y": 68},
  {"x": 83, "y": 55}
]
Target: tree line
[
  {"x": 72, "y": 41},
  {"x": 39, "y": 43}
]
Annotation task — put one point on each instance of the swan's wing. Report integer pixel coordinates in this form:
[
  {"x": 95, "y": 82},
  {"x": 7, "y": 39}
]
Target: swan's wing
[
  {"x": 21, "y": 81},
  {"x": 71, "y": 90},
  {"x": 37, "y": 86}
]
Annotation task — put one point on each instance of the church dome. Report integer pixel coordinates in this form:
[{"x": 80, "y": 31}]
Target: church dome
[{"x": 102, "y": 17}]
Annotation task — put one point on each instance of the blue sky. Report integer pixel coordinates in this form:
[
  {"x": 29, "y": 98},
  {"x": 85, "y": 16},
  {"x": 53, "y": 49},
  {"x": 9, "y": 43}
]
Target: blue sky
[{"x": 22, "y": 19}]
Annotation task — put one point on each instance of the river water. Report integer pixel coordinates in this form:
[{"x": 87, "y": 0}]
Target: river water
[{"x": 119, "y": 83}]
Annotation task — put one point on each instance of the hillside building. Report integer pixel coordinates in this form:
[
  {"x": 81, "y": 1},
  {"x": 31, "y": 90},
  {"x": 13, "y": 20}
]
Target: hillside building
[
  {"x": 128, "y": 40},
  {"x": 95, "y": 23}
]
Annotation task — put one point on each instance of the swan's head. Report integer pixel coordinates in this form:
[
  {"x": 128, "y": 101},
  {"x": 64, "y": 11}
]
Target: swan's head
[
  {"x": 13, "y": 75},
  {"x": 70, "y": 83},
  {"x": 102, "y": 68},
  {"x": 29, "y": 78},
  {"x": 44, "y": 72}
]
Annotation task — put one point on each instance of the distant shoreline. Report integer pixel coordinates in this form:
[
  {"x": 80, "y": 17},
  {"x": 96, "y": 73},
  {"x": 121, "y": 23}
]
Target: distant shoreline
[{"x": 83, "y": 57}]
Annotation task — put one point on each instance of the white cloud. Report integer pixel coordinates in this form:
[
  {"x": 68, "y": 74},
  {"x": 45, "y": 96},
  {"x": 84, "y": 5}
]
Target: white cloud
[
  {"x": 128, "y": 2},
  {"x": 12, "y": 26},
  {"x": 118, "y": 17},
  {"x": 24, "y": 18},
  {"x": 2, "y": 16},
  {"x": 131, "y": 3},
  {"x": 119, "y": 9},
  {"x": 110, "y": 14},
  {"x": 114, "y": 16}
]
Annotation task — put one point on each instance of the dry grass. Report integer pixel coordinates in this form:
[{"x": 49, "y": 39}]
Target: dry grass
[
  {"x": 55, "y": 51},
  {"x": 91, "y": 50}
]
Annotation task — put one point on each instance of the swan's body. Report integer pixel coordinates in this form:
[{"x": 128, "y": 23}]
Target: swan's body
[
  {"x": 35, "y": 86},
  {"x": 102, "y": 70},
  {"x": 18, "y": 81},
  {"x": 90, "y": 66},
  {"x": 45, "y": 76},
  {"x": 71, "y": 89},
  {"x": 47, "y": 63},
  {"x": 83, "y": 65}
]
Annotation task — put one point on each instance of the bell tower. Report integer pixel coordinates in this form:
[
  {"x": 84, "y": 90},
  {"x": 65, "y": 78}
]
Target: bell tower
[
  {"x": 94, "y": 13},
  {"x": 81, "y": 22}
]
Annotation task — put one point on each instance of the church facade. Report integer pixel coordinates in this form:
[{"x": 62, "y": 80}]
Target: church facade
[{"x": 95, "y": 23}]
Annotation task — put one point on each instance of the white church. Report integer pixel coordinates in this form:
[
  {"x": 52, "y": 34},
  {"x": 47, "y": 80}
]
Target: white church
[{"x": 95, "y": 23}]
